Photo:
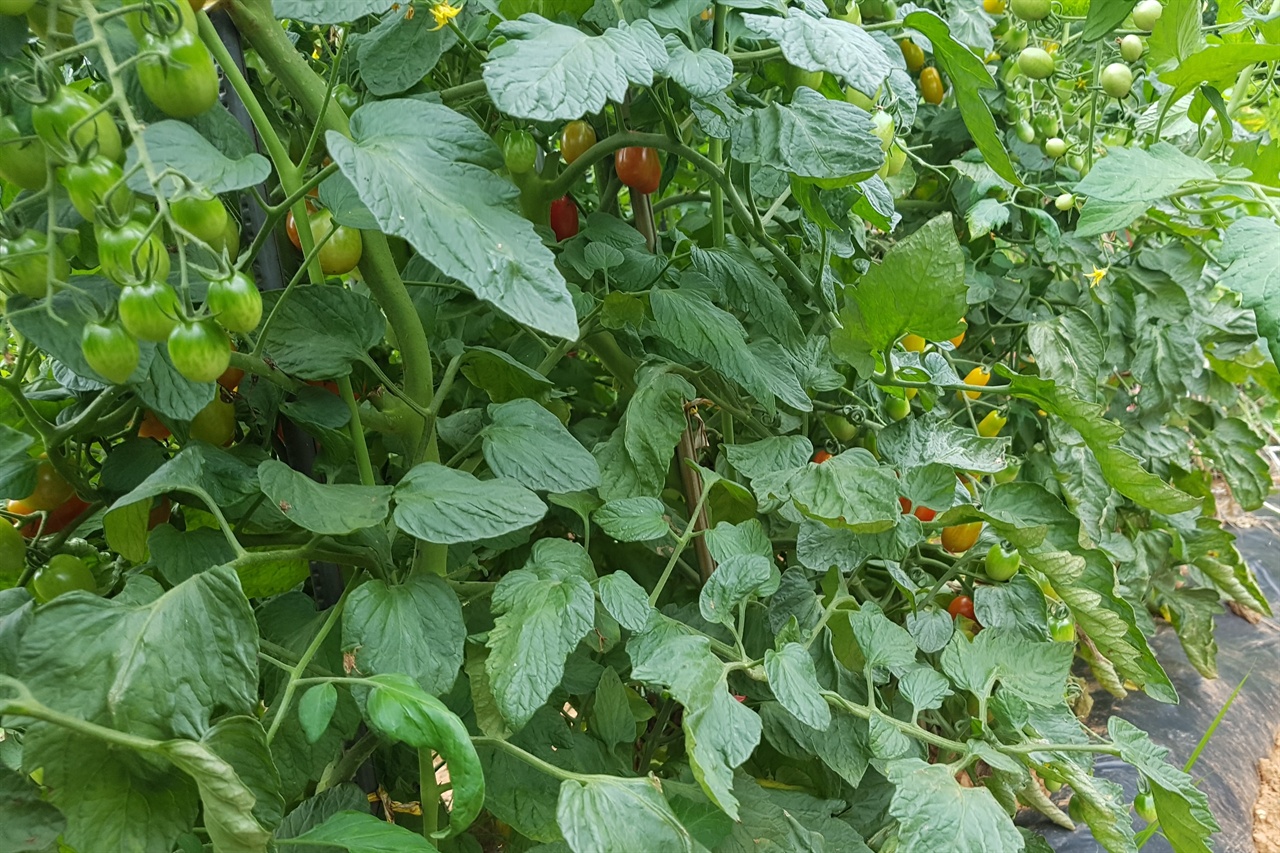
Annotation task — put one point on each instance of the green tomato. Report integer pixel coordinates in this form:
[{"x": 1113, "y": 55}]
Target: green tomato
[
  {"x": 15, "y": 7},
  {"x": 882, "y": 128},
  {"x": 199, "y": 350},
  {"x": 1117, "y": 80},
  {"x": 897, "y": 408},
  {"x": 520, "y": 152},
  {"x": 1008, "y": 474},
  {"x": 1132, "y": 47},
  {"x": 71, "y": 122},
  {"x": 1015, "y": 39},
  {"x": 202, "y": 214},
  {"x": 22, "y": 161},
  {"x": 855, "y": 97},
  {"x": 235, "y": 303},
  {"x": 1055, "y": 147},
  {"x": 797, "y": 77},
  {"x": 1002, "y": 564},
  {"x": 24, "y": 264},
  {"x": 110, "y": 351},
  {"x": 1064, "y": 202},
  {"x": 1025, "y": 132},
  {"x": 893, "y": 163},
  {"x": 1145, "y": 805},
  {"x": 177, "y": 73},
  {"x": 851, "y": 15},
  {"x": 1062, "y": 628},
  {"x": 841, "y": 429},
  {"x": 215, "y": 423},
  {"x": 13, "y": 554},
  {"x": 94, "y": 183},
  {"x": 128, "y": 254},
  {"x": 1075, "y": 808},
  {"x": 1046, "y": 124},
  {"x": 1036, "y": 63},
  {"x": 149, "y": 311},
  {"x": 64, "y": 573},
  {"x": 1146, "y": 13},
  {"x": 1030, "y": 10},
  {"x": 347, "y": 99},
  {"x": 342, "y": 252}
]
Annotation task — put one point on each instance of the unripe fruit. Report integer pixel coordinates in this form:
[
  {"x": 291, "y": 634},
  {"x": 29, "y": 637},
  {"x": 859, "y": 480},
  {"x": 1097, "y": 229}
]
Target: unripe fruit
[
  {"x": 1036, "y": 63},
  {"x": 1031, "y": 10},
  {"x": 882, "y": 129},
  {"x": 1146, "y": 14},
  {"x": 1055, "y": 147},
  {"x": 1117, "y": 80},
  {"x": 1066, "y": 201},
  {"x": 1132, "y": 48}
]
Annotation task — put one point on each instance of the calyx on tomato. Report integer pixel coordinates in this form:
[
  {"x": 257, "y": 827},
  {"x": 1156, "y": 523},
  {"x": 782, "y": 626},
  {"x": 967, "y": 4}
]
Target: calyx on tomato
[
  {"x": 25, "y": 264},
  {"x": 69, "y": 111},
  {"x": 177, "y": 73},
  {"x": 149, "y": 311},
  {"x": 94, "y": 182}
]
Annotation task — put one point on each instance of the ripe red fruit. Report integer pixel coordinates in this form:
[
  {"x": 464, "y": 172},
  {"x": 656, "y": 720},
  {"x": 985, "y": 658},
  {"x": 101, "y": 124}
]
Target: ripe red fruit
[{"x": 564, "y": 218}]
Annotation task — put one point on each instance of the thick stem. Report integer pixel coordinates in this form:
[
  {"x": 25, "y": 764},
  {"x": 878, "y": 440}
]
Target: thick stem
[{"x": 428, "y": 794}]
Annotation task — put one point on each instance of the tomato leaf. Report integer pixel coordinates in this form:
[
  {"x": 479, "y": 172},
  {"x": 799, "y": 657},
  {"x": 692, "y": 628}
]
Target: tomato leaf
[
  {"x": 546, "y": 71},
  {"x": 400, "y": 51},
  {"x": 530, "y": 445},
  {"x": 178, "y": 146},
  {"x": 934, "y": 811},
  {"x": 27, "y": 822},
  {"x": 635, "y": 458},
  {"x": 361, "y": 832},
  {"x": 625, "y": 600},
  {"x": 411, "y": 155},
  {"x": 328, "y": 11},
  {"x": 793, "y": 679},
  {"x": 633, "y": 519},
  {"x": 812, "y": 137},
  {"x": 414, "y": 628},
  {"x": 826, "y": 44},
  {"x": 609, "y": 814},
  {"x": 319, "y": 332},
  {"x": 1254, "y": 272},
  {"x": 438, "y": 504},
  {"x": 736, "y": 579},
  {"x": 315, "y": 710},
  {"x": 327, "y": 508}
]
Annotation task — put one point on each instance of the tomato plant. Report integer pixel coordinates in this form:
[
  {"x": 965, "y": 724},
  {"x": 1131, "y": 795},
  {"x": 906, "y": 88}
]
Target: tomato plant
[
  {"x": 1145, "y": 806},
  {"x": 687, "y": 440}
]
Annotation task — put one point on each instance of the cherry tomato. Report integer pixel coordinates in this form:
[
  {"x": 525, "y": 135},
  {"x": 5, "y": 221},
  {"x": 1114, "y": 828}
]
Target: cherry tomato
[
  {"x": 202, "y": 214},
  {"x": 94, "y": 182},
  {"x": 22, "y": 161},
  {"x": 1025, "y": 132},
  {"x": 991, "y": 424},
  {"x": 821, "y": 456},
  {"x": 160, "y": 513},
  {"x": 1146, "y": 14},
  {"x": 1055, "y": 147},
  {"x": 229, "y": 242},
  {"x": 841, "y": 429},
  {"x": 57, "y": 520},
  {"x": 1117, "y": 80},
  {"x": 913, "y": 343},
  {"x": 1053, "y": 781},
  {"x": 51, "y": 489},
  {"x": 1145, "y": 805},
  {"x": 575, "y": 139},
  {"x": 1008, "y": 474},
  {"x": 960, "y": 537},
  {"x": 959, "y": 339},
  {"x": 215, "y": 423},
  {"x": 519, "y": 152},
  {"x": 291, "y": 228},
  {"x": 151, "y": 427},
  {"x": 1036, "y": 63},
  {"x": 149, "y": 311},
  {"x": 912, "y": 54},
  {"x": 993, "y": 7},
  {"x": 931, "y": 86},
  {"x": 69, "y": 109},
  {"x": 638, "y": 168},
  {"x": 347, "y": 99},
  {"x": 199, "y": 350},
  {"x": 564, "y": 218},
  {"x": 978, "y": 376},
  {"x": 1075, "y": 808},
  {"x": 341, "y": 253},
  {"x": 882, "y": 128},
  {"x": 1062, "y": 628},
  {"x": 1132, "y": 47},
  {"x": 925, "y": 514},
  {"x": 905, "y": 504},
  {"x": 128, "y": 254},
  {"x": 230, "y": 378},
  {"x": 962, "y": 605},
  {"x": 24, "y": 264},
  {"x": 1031, "y": 10},
  {"x": 1002, "y": 564},
  {"x": 897, "y": 408},
  {"x": 64, "y": 573},
  {"x": 1065, "y": 202},
  {"x": 110, "y": 351},
  {"x": 177, "y": 73},
  {"x": 235, "y": 303},
  {"x": 13, "y": 554},
  {"x": 893, "y": 162}
]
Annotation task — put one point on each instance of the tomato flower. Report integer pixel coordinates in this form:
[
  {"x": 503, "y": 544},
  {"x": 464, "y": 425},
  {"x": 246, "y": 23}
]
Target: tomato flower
[
  {"x": 444, "y": 12},
  {"x": 1097, "y": 275}
]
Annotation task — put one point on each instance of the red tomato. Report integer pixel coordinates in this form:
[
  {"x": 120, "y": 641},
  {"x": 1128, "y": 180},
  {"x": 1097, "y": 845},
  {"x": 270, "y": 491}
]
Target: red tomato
[
  {"x": 962, "y": 605},
  {"x": 564, "y": 218},
  {"x": 906, "y": 505},
  {"x": 57, "y": 520},
  {"x": 151, "y": 427},
  {"x": 159, "y": 513},
  {"x": 821, "y": 456},
  {"x": 925, "y": 514},
  {"x": 230, "y": 378},
  {"x": 639, "y": 168}
]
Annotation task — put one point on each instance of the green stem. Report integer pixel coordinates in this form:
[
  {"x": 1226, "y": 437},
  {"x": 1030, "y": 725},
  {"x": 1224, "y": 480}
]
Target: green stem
[
  {"x": 428, "y": 795},
  {"x": 356, "y": 429},
  {"x": 532, "y": 760},
  {"x": 715, "y": 150},
  {"x": 26, "y": 705},
  {"x": 681, "y": 544}
]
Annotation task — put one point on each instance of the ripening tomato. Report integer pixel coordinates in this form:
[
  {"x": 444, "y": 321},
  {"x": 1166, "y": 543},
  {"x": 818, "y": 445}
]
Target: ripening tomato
[
  {"x": 200, "y": 213},
  {"x": 991, "y": 424},
  {"x": 993, "y": 7},
  {"x": 215, "y": 423},
  {"x": 341, "y": 252},
  {"x": 51, "y": 489},
  {"x": 64, "y": 573},
  {"x": 897, "y": 408},
  {"x": 149, "y": 311},
  {"x": 22, "y": 161},
  {"x": 931, "y": 87},
  {"x": 56, "y": 521},
  {"x": 24, "y": 264},
  {"x": 821, "y": 456},
  {"x": 68, "y": 109},
  {"x": 913, "y": 343},
  {"x": 151, "y": 427},
  {"x": 962, "y": 605},
  {"x": 912, "y": 54},
  {"x": 159, "y": 513},
  {"x": 110, "y": 351},
  {"x": 638, "y": 168},
  {"x": 199, "y": 350},
  {"x": 177, "y": 73},
  {"x": 959, "y": 339},
  {"x": 564, "y": 218},
  {"x": 925, "y": 514},
  {"x": 230, "y": 378},
  {"x": 235, "y": 303},
  {"x": 978, "y": 376},
  {"x": 961, "y": 537},
  {"x": 575, "y": 139}
]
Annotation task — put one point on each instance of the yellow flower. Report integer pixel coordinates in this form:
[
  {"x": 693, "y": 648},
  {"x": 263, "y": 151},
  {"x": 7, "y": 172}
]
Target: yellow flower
[
  {"x": 444, "y": 12},
  {"x": 1097, "y": 275}
]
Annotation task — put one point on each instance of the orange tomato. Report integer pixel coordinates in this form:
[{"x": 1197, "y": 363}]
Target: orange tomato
[
  {"x": 151, "y": 427},
  {"x": 961, "y": 537}
]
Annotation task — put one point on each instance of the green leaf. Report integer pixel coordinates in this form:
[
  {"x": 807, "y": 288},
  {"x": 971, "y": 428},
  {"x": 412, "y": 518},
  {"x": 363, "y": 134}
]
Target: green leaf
[
  {"x": 924, "y": 687},
  {"x": 811, "y": 138},
  {"x": 1133, "y": 174},
  {"x": 702, "y": 73},
  {"x": 625, "y": 600},
  {"x": 414, "y": 628},
  {"x": 552, "y": 72},
  {"x": 635, "y": 459},
  {"x": 968, "y": 76},
  {"x": 439, "y": 504},
  {"x": 316, "y": 810},
  {"x": 1183, "y": 808},
  {"x": 1236, "y": 451},
  {"x": 633, "y": 519},
  {"x": 883, "y": 643},
  {"x": 919, "y": 443},
  {"x": 611, "y": 717},
  {"x": 1122, "y": 470},
  {"x": 315, "y": 710},
  {"x": 319, "y": 332},
  {"x": 1217, "y": 64},
  {"x": 775, "y": 453},
  {"x": 919, "y": 288},
  {"x": 604, "y": 814},
  {"x": 400, "y": 51},
  {"x": 177, "y": 146},
  {"x": 1104, "y": 16},
  {"x": 842, "y": 746},
  {"x": 399, "y": 709},
  {"x": 528, "y": 444},
  {"x": 412, "y": 155},
  {"x": 749, "y": 288},
  {"x": 501, "y": 376},
  {"x": 27, "y": 823},
  {"x": 328, "y": 11},
  {"x": 930, "y": 628},
  {"x": 17, "y": 468},
  {"x": 543, "y": 611},
  {"x": 1249, "y": 248},
  {"x": 1035, "y": 671},
  {"x": 361, "y": 832},
  {"x": 333, "y": 510},
  {"x": 935, "y": 812},
  {"x": 740, "y": 577},
  {"x": 850, "y": 491},
  {"x": 793, "y": 679},
  {"x": 826, "y": 44}
]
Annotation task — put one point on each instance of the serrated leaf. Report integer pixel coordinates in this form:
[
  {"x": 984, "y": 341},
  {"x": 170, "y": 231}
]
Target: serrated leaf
[
  {"x": 794, "y": 681},
  {"x": 736, "y": 579},
  {"x": 702, "y": 73},
  {"x": 604, "y": 814},
  {"x": 361, "y": 832},
  {"x": 328, "y": 11},
  {"x": 530, "y": 445},
  {"x": 625, "y": 600},
  {"x": 444, "y": 505},
  {"x": 177, "y": 146},
  {"x": 633, "y": 519},
  {"x": 1249, "y": 248},
  {"x": 548, "y": 72},
  {"x": 409, "y": 155},
  {"x": 826, "y": 44},
  {"x": 315, "y": 710},
  {"x": 931, "y": 629},
  {"x": 319, "y": 332},
  {"x": 935, "y": 812},
  {"x": 330, "y": 509},
  {"x": 811, "y": 138},
  {"x": 400, "y": 51}
]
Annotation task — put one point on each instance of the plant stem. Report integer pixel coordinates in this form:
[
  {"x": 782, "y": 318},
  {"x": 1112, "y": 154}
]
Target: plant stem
[
  {"x": 428, "y": 794},
  {"x": 532, "y": 760},
  {"x": 689, "y": 531},
  {"x": 356, "y": 429}
]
